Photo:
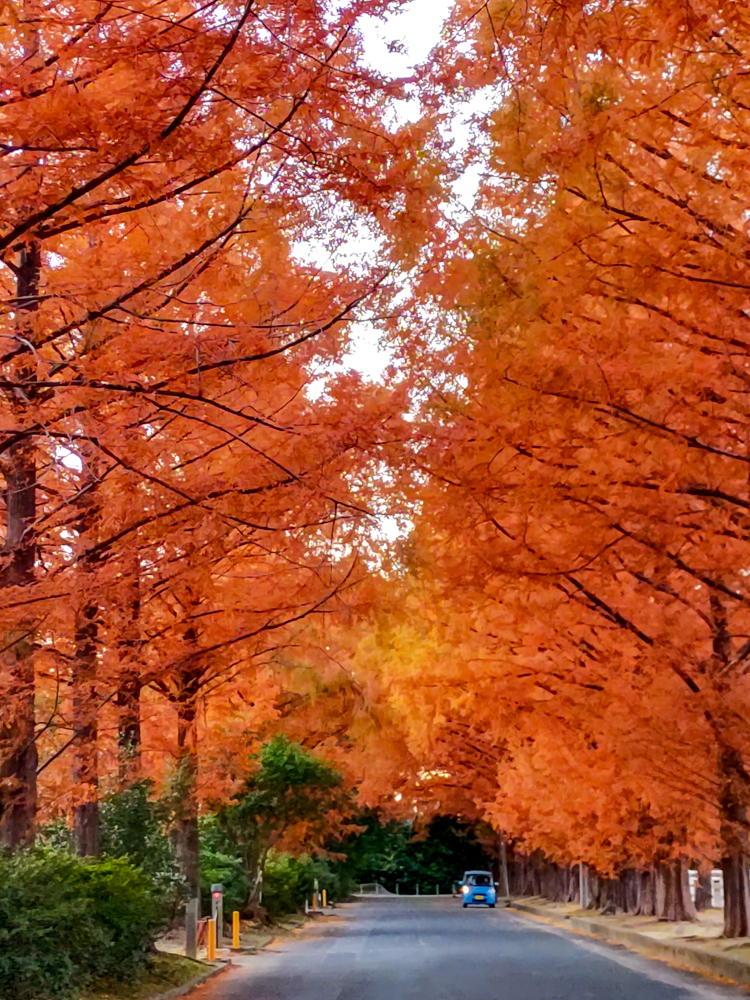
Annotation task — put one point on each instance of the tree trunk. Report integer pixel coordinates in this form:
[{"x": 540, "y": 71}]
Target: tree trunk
[
  {"x": 18, "y": 752},
  {"x": 736, "y": 895},
  {"x": 535, "y": 874},
  {"x": 85, "y": 694},
  {"x": 504, "y": 879},
  {"x": 703, "y": 892},
  {"x": 130, "y": 684},
  {"x": 733, "y": 798},
  {"x": 85, "y": 724},
  {"x": 630, "y": 879},
  {"x": 186, "y": 837},
  {"x": 673, "y": 892},
  {"x": 129, "y": 728},
  {"x": 520, "y": 871},
  {"x": 583, "y": 893},
  {"x": 610, "y": 896},
  {"x": 646, "y": 906}
]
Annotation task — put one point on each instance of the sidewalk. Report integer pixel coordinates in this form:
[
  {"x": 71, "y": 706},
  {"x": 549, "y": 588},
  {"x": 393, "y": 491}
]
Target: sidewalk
[
  {"x": 252, "y": 940},
  {"x": 695, "y": 946}
]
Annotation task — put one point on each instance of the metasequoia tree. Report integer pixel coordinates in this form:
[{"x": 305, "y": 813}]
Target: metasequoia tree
[
  {"x": 553, "y": 752},
  {"x": 583, "y": 447},
  {"x": 158, "y": 172},
  {"x": 586, "y": 464}
]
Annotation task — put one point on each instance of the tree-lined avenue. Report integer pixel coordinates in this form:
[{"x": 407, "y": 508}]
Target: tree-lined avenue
[
  {"x": 509, "y": 580},
  {"x": 409, "y": 949}
]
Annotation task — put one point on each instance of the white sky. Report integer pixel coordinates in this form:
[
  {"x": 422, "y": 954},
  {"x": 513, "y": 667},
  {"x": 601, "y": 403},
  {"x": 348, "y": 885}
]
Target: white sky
[
  {"x": 415, "y": 31},
  {"x": 396, "y": 46},
  {"x": 417, "y": 28}
]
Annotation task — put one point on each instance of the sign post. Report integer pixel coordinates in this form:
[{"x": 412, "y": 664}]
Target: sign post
[{"x": 217, "y": 909}]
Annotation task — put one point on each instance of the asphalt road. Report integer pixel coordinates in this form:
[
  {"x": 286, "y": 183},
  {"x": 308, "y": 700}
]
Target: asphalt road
[{"x": 435, "y": 950}]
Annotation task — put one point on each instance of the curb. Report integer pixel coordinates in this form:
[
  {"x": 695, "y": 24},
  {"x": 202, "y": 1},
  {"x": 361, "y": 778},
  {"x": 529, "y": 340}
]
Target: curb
[
  {"x": 181, "y": 991},
  {"x": 687, "y": 956},
  {"x": 251, "y": 949}
]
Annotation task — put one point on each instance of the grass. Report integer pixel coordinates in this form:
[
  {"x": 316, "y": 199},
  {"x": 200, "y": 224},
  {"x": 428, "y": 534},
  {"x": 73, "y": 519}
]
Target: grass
[{"x": 163, "y": 974}]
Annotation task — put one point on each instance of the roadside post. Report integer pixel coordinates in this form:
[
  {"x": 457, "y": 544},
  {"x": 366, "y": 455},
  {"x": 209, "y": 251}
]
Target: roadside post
[
  {"x": 211, "y": 942},
  {"x": 191, "y": 928},
  {"x": 325, "y": 899},
  {"x": 236, "y": 929},
  {"x": 217, "y": 911}
]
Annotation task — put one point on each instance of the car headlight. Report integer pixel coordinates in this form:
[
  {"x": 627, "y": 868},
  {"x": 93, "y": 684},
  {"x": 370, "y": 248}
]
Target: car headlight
[{"x": 464, "y": 889}]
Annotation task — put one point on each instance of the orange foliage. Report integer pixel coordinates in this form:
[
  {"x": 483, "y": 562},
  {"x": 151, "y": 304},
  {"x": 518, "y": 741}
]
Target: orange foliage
[{"x": 193, "y": 552}]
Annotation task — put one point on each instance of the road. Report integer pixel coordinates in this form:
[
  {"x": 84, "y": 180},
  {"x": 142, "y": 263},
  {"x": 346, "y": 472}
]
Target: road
[{"x": 411, "y": 949}]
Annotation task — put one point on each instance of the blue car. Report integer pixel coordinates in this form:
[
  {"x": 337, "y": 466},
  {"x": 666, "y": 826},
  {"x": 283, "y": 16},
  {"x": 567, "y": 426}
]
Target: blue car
[{"x": 478, "y": 889}]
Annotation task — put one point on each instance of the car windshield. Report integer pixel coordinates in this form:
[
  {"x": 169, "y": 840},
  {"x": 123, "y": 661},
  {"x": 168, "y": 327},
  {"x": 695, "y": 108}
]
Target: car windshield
[{"x": 480, "y": 880}]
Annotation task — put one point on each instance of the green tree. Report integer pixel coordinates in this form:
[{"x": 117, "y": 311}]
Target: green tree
[
  {"x": 290, "y": 799},
  {"x": 394, "y": 854},
  {"x": 134, "y": 826}
]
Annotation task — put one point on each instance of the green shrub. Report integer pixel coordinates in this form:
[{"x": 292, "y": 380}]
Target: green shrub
[
  {"x": 288, "y": 881},
  {"x": 124, "y": 903},
  {"x": 65, "y": 921},
  {"x": 220, "y": 861},
  {"x": 228, "y": 871},
  {"x": 133, "y": 826}
]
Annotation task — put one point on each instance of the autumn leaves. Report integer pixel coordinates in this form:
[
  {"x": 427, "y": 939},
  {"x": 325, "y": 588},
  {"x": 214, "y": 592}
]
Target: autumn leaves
[
  {"x": 176, "y": 507},
  {"x": 586, "y": 512},
  {"x": 559, "y": 641}
]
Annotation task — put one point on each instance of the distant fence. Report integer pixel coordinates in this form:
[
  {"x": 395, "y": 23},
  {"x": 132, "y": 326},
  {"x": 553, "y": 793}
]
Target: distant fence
[{"x": 373, "y": 889}]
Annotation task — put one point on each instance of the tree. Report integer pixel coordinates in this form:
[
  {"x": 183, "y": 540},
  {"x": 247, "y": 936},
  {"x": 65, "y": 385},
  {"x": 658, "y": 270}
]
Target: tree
[
  {"x": 290, "y": 797},
  {"x": 161, "y": 175},
  {"x": 583, "y": 449}
]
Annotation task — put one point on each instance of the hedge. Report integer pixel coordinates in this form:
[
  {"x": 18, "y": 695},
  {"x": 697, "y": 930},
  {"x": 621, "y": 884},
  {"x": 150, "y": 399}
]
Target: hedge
[{"x": 66, "y": 921}]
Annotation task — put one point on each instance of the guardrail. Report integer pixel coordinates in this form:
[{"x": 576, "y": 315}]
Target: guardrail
[{"x": 373, "y": 890}]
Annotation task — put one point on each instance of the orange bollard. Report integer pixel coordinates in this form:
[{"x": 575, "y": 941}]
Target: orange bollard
[
  {"x": 236, "y": 929},
  {"x": 325, "y": 899},
  {"x": 315, "y": 902},
  {"x": 211, "y": 943}
]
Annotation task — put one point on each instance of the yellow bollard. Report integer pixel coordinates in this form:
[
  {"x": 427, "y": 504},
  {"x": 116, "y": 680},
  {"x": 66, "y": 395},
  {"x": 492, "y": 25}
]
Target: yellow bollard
[
  {"x": 211, "y": 941},
  {"x": 315, "y": 902},
  {"x": 236, "y": 929},
  {"x": 325, "y": 899}
]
